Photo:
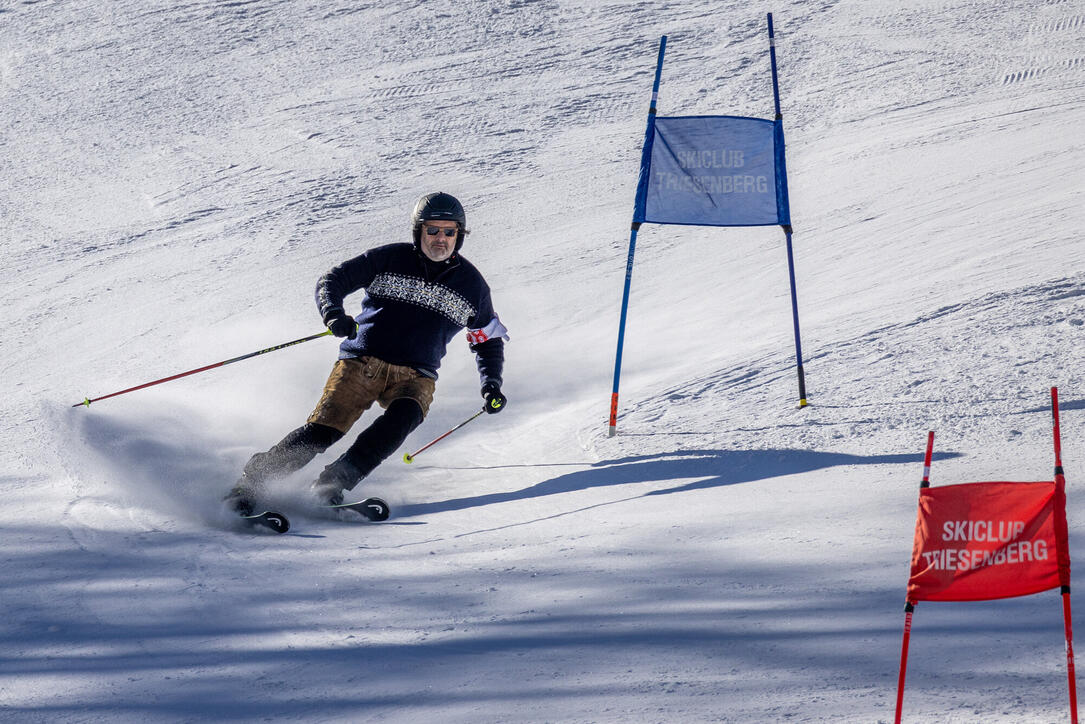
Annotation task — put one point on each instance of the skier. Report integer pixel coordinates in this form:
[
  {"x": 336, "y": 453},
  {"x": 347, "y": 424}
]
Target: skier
[{"x": 417, "y": 298}]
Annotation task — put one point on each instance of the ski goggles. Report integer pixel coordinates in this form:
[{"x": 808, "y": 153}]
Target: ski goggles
[{"x": 435, "y": 230}]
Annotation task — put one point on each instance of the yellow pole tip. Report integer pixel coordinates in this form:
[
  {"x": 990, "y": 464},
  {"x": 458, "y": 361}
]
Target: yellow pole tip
[{"x": 407, "y": 458}]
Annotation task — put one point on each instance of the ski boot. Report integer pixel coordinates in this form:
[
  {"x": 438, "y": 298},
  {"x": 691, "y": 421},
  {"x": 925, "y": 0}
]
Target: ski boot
[
  {"x": 340, "y": 476},
  {"x": 241, "y": 499}
]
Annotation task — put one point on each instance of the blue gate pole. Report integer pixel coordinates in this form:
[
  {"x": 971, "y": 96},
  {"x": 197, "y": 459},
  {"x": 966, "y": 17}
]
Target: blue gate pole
[
  {"x": 786, "y": 215},
  {"x": 646, "y": 151}
]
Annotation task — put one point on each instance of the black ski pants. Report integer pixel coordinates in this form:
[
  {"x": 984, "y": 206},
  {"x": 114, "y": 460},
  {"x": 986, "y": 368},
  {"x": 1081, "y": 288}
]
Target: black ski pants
[{"x": 376, "y": 443}]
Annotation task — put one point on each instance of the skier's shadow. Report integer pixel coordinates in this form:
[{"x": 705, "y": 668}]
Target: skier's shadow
[{"x": 714, "y": 468}]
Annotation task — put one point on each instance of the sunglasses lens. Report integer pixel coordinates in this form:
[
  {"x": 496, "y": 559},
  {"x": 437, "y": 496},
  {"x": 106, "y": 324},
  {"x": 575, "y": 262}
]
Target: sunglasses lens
[{"x": 435, "y": 230}]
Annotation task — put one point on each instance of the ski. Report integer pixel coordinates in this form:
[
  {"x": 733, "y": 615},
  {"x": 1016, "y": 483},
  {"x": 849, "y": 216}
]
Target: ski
[
  {"x": 269, "y": 519},
  {"x": 373, "y": 509}
]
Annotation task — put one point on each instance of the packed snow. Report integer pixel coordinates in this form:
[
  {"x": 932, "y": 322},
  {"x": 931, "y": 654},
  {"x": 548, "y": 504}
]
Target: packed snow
[{"x": 174, "y": 177}]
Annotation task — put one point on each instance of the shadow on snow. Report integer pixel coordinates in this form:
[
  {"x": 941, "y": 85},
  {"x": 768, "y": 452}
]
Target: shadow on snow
[
  {"x": 715, "y": 468},
  {"x": 143, "y": 631}
]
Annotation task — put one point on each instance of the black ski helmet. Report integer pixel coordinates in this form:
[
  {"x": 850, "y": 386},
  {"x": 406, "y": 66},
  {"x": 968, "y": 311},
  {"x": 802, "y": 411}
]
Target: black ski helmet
[{"x": 438, "y": 206}]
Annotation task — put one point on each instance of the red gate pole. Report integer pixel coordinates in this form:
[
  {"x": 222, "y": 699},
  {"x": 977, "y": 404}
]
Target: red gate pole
[
  {"x": 909, "y": 606},
  {"x": 1071, "y": 676},
  {"x": 1064, "y": 554},
  {"x": 926, "y": 483}
]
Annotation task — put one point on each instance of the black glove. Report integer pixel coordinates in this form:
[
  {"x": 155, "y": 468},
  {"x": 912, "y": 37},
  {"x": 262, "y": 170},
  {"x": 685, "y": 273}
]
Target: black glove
[
  {"x": 342, "y": 326},
  {"x": 495, "y": 401}
]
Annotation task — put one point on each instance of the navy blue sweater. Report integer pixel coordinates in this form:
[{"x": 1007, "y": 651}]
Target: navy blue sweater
[{"x": 413, "y": 307}]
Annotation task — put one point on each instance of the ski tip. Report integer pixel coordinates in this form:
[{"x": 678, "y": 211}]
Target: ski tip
[
  {"x": 277, "y": 522},
  {"x": 268, "y": 519},
  {"x": 373, "y": 509},
  {"x": 376, "y": 509}
]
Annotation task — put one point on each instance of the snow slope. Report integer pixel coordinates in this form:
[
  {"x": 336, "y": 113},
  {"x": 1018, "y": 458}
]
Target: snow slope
[{"x": 175, "y": 176}]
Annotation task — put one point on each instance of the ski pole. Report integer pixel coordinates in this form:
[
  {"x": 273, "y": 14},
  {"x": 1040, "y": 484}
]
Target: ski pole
[
  {"x": 86, "y": 402},
  {"x": 409, "y": 457}
]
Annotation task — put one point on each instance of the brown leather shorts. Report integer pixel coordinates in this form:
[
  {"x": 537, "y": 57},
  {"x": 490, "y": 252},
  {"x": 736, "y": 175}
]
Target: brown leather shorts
[{"x": 355, "y": 384}]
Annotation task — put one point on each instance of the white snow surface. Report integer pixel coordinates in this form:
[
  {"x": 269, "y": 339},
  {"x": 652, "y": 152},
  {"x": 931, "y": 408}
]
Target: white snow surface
[{"x": 174, "y": 176}]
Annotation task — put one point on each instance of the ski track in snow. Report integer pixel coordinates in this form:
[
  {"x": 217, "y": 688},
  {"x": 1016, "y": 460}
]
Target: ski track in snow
[{"x": 175, "y": 176}]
